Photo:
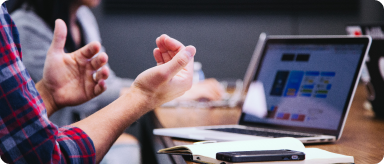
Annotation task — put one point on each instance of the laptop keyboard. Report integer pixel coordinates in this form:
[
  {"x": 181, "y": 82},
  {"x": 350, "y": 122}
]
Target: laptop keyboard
[{"x": 260, "y": 133}]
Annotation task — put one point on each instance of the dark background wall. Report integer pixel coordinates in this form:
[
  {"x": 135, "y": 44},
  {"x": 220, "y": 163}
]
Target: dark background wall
[{"x": 224, "y": 38}]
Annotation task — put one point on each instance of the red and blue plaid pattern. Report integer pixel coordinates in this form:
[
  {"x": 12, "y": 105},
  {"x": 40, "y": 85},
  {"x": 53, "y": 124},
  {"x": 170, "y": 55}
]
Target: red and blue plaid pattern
[{"x": 26, "y": 134}]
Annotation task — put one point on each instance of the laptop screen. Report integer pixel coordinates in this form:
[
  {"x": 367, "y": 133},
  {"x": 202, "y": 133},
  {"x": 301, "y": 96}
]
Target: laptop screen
[{"x": 307, "y": 83}]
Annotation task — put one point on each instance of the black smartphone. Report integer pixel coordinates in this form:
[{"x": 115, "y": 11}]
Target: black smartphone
[{"x": 260, "y": 155}]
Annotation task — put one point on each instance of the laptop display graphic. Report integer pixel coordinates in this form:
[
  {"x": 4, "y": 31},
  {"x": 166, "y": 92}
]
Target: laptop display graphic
[{"x": 307, "y": 83}]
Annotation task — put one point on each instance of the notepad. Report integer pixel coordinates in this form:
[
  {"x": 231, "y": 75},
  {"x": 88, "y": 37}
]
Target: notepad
[{"x": 206, "y": 153}]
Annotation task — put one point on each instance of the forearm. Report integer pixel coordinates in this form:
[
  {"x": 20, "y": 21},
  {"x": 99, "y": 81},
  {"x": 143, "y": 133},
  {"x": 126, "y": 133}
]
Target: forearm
[{"x": 106, "y": 125}]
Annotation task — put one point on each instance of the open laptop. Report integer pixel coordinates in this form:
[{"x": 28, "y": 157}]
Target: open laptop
[{"x": 307, "y": 83}]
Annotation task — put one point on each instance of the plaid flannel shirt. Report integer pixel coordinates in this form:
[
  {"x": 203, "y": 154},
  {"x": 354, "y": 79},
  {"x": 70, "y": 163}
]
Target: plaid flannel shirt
[{"x": 26, "y": 134}]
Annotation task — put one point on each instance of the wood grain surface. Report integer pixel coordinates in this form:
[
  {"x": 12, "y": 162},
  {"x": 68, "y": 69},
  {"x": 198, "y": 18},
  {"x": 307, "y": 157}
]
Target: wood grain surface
[{"x": 362, "y": 138}]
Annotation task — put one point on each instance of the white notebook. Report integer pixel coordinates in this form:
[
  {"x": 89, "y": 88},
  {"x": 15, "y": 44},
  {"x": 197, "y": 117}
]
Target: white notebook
[{"x": 206, "y": 153}]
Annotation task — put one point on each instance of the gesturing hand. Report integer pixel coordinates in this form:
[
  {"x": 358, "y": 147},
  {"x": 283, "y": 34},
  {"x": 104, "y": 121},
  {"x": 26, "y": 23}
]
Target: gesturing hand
[
  {"x": 68, "y": 77},
  {"x": 173, "y": 74}
]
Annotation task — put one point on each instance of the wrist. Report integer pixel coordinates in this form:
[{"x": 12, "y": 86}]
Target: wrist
[
  {"x": 47, "y": 97},
  {"x": 142, "y": 99}
]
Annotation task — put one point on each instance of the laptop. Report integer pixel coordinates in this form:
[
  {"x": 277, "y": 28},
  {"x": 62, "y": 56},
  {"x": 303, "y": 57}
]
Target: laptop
[{"x": 296, "y": 86}]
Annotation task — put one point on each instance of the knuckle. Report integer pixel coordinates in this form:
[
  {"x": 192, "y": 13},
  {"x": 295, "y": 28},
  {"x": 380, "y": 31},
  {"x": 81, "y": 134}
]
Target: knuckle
[
  {"x": 89, "y": 51},
  {"x": 182, "y": 61}
]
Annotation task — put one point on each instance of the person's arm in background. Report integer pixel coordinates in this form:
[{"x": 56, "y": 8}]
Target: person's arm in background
[{"x": 208, "y": 89}]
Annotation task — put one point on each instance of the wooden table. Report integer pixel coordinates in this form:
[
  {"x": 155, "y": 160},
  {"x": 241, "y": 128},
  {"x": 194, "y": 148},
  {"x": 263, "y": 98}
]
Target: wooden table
[{"x": 362, "y": 138}]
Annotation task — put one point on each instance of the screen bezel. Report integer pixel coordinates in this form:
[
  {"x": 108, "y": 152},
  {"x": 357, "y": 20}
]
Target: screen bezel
[{"x": 365, "y": 40}]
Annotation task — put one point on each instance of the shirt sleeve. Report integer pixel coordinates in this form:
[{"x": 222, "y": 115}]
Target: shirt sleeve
[{"x": 26, "y": 134}]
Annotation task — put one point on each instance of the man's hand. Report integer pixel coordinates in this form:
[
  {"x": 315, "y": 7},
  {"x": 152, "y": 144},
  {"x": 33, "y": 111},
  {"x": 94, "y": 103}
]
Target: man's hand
[
  {"x": 68, "y": 78},
  {"x": 171, "y": 77}
]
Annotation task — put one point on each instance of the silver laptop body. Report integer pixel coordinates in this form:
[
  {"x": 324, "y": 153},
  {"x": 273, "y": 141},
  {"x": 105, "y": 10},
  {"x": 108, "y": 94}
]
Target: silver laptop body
[{"x": 295, "y": 86}]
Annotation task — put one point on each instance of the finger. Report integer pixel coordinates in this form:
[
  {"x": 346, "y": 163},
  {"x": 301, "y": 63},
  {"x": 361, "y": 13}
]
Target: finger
[
  {"x": 100, "y": 87},
  {"x": 158, "y": 57},
  {"x": 190, "y": 65},
  {"x": 210, "y": 93},
  {"x": 101, "y": 74},
  {"x": 173, "y": 46},
  {"x": 59, "y": 36},
  {"x": 88, "y": 51},
  {"x": 167, "y": 44},
  {"x": 214, "y": 84},
  {"x": 183, "y": 59},
  {"x": 99, "y": 61},
  {"x": 212, "y": 80},
  {"x": 216, "y": 95},
  {"x": 217, "y": 91},
  {"x": 166, "y": 57},
  {"x": 160, "y": 43},
  {"x": 210, "y": 97}
]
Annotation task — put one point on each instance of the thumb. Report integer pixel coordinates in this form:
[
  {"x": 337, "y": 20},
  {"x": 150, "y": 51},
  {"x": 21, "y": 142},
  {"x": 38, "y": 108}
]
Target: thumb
[
  {"x": 180, "y": 61},
  {"x": 59, "y": 36}
]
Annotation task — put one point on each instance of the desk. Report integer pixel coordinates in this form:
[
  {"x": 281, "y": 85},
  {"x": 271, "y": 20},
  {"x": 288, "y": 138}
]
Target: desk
[{"x": 363, "y": 136}]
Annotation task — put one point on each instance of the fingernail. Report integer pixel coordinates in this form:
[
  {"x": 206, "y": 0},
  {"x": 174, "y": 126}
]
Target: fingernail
[{"x": 190, "y": 51}]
